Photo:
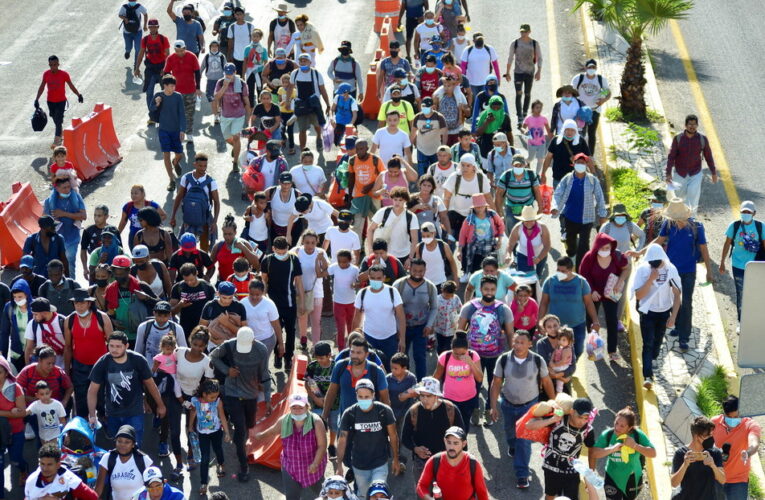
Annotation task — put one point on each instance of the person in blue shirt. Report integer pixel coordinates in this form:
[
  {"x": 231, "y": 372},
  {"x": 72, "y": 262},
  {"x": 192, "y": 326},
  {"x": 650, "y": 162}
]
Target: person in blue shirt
[
  {"x": 44, "y": 246},
  {"x": 68, "y": 209},
  {"x": 155, "y": 487},
  {"x": 188, "y": 29},
  {"x": 744, "y": 238},
  {"x": 349, "y": 371},
  {"x": 686, "y": 244},
  {"x": 171, "y": 122}
]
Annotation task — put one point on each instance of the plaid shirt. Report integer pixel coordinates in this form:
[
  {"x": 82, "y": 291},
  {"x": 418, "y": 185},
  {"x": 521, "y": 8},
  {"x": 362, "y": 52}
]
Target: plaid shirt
[
  {"x": 593, "y": 197},
  {"x": 298, "y": 451}
]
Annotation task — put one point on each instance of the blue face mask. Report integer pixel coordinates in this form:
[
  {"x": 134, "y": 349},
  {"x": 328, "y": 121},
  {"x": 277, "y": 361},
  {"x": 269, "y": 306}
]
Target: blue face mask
[
  {"x": 429, "y": 69},
  {"x": 620, "y": 219},
  {"x": 426, "y": 110},
  {"x": 299, "y": 418},
  {"x": 280, "y": 61},
  {"x": 430, "y": 22},
  {"x": 132, "y": 4},
  {"x": 657, "y": 206},
  {"x": 365, "y": 404},
  {"x": 732, "y": 422},
  {"x": 498, "y": 149},
  {"x": 375, "y": 284},
  {"x": 227, "y": 13},
  {"x": 305, "y": 68},
  {"x": 566, "y": 99},
  {"x": 747, "y": 218},
  {"x": 282, "y": 18},
  {"x": 65, "y": 195},
  {"x": 281, "y": 256}
]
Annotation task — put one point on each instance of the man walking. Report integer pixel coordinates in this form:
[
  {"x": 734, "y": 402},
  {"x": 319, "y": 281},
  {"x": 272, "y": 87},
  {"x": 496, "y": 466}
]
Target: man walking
[
  {"x": 168, "y": 111},
  {"x": 68, "y": 209},
  {"x": 231, "y": 97},
  {"x": 154, "y": 51},
  {"x": 594, "y": 92},
  {"x": 739, "y": 440},
  {"x": 527, "y": 54},
  {"x": 685, "y": 156},
  {"x": 188, "y": 29},
  {"x": 55, "y": 79},
  {"x": 238, "y": 35},
  {"x": 184, "y": 66},
  {"x": 198, "y": 196}
]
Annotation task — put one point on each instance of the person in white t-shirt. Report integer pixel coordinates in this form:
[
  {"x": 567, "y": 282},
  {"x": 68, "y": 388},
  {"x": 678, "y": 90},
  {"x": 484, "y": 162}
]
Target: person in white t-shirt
[
  {"x": 425, "y": 31},
  {"x": 658, "y": 291},
  {"x": 50, "y": 480},
  {"x": 380, "y": 315},
  {"x": 342, "y": 237},
  {"x": 50, "y": 413},
  {"x": 344, "y": 278},
  {"x": 316, "y": 212},
  {"x": 309, "y": 178},
  {"x": 126, "y": 475},
  {"x": 442, "y": 169},
  {"x": 396, "y": 225},
  {"x": 314, "y": 263},
  {"x": 238, "y": 35},
  {"x": 459, "y": 189},
  {"x": 478, "y": 62},
  {"x": 192, "y": 362},
  {"x": 593, "y": 92},
  {"x": 262, "y": 316},
  {"x": 391, "y": 141}
]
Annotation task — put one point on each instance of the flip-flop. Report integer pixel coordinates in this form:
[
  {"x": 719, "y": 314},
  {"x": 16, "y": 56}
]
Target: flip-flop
[{"x": 219, "y": 471}]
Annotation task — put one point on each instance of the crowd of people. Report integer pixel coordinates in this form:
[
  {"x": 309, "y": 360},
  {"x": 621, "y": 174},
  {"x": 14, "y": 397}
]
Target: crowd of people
[{"x": 435, "y": 258}]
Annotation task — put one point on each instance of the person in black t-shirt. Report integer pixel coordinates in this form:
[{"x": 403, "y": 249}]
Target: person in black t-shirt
[
  {"x": 189, "y": 297},
  {"x": 189, "y": 252},
  {"x": 561, "y": 151},
  {"x": 224, "y": 315},
  {"x": 283, "y": 276},
  {"x": 91, "y": 236},
  {"x": 697, "y": 466},
  {"x": 266, "y": 116}
]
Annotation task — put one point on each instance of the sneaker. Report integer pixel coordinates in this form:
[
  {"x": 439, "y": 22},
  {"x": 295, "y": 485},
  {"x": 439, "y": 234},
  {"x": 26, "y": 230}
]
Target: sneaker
[
  {"x": 563, "y": 236},
  {"x": 332, "y": 451},
  {"x": 243, "y": 476},
  {"x": 189, "y": 139},
  {"x": 235, "y": 166},
  {"x": 216, "y": 121},
  {"x": 488, "y": 420},
  {"x": 648, "y": 383},
  {"x": 192, "y": 465},
  {"x": 177, "y": 474},
  {"x": 619, "y": 326},
  {"x": 523, "y": 483},
  {"x": 673, "y": 333},
  {"x": 278, "y": 362},
  {"x": 475, "y": 418},
  {"x": 683, "y": 348},
  {"x": 164, "y": 449},
  {"x": 614, "y": 357},
  {"x": 511, "y": 452},
  {"x": 127, "y": 55},
  {"x": 171, "y": 186},
  {"x": 288, "y": 366},
  {"x": 464, "y": 278}
]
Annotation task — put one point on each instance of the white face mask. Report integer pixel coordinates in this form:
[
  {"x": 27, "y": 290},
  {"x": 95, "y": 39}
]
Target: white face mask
[
  {"x": 561, "y": 276},
  {"x": 82, "y": 314},
  {"x": 604, "y": 253},
  {"x": 21, "y": 302},
  {"x": 518, "y": 170},
  {"x": 241, "y": 278},
  {"x": 427, "y": 241},
  {"x": 580, "y": 168},
  {"x": 591, "y": 72}
]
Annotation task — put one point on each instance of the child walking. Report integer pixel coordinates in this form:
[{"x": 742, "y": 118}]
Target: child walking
[
  {"x": 563, "y": 356},
  {"x": 50, "y": 413},
  {"x": 258, "y": 221},
  {"x": 212, "y": 67},
  {"x": 344, "y": 277},
  {"x": 345, "y": 109},
  {"x": 211, "y": 425},
  {"x": 447, "y": 313},
  {"x": 538, "y": 129}
]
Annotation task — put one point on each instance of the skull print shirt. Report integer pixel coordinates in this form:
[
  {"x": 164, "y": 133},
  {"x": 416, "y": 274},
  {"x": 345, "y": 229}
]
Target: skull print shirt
[{"x": 565, "y": 445}]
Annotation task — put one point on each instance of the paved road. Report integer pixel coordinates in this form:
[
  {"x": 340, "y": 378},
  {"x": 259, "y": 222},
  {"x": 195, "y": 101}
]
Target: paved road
[{"x": 91, "y": 50}]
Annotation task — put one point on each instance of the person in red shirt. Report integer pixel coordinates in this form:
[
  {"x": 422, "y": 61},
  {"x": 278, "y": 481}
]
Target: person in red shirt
[
  {"x": 458, "y": 474},
  {"x": 184, "y": 66},
  {"x": 55, "y": 79},
  {"x": 429, "y": 77},
  {"x": 154, "y": 51},
  {"x": 739, "y": 439}
]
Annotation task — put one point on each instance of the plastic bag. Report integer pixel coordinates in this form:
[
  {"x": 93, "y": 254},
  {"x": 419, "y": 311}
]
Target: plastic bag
[
  {"x": 328, "y": 135},
  {"x": 594, "y": 345},
  {"x": 538, "y": 435},
  {"x": 546, "y": 193}
]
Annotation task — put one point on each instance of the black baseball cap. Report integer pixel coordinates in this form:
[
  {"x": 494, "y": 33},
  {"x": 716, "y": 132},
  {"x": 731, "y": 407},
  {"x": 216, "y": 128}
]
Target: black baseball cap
[
  {"x": 322, "y": 348},
  {"x": 163, "y": 307},
  {"x": 582, "y": 406}
]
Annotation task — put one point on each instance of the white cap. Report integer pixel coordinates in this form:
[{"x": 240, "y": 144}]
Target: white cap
[
  {"x": 179, "y": 44},
  {"x": 244, "y": 339},
  {"x": 469, "y": 159},
  {"x": 151, "y": 475}
]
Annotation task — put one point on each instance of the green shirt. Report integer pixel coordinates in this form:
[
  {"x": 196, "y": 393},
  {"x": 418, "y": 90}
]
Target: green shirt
[{"x": 617, "y": 470}]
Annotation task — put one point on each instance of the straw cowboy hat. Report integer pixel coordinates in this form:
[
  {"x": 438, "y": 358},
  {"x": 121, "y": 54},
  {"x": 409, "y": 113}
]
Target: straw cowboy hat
[
  {"x": 567, "y": 88},
  {"x": 677, "y": 210},
  {"x": 281, "y": 7},
  {"x": 528, "y": 214}
]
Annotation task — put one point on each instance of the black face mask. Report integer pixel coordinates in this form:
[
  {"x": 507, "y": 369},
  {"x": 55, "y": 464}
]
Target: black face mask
[
  {"x": 488, "y": 298},
  {"x": 122, "y": 280},
  {"x": 492, "y": 87},
  {"x": 344, "y": 52},
  {"x": 51, "y": 232},
  {"x": 101, "y": 283},
  {"x": 394, "y": 53},
  {"x": 143, "y": 266},
  {"x": 395, "y": 99},
  {"x": 187, "y": 17},
  {"x": 416, "y": 280},
  {"x": 655, "y": 263},
  {"x": 708, "y": 443},
  {"x": 479, "y": 44},
  {"x": 343, "y": 225}
]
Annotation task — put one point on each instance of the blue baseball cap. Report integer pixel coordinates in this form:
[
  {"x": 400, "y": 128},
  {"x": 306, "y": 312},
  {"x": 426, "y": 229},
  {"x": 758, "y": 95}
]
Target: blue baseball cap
[
  {"x": 229, "y": 69},
  {"x": 188, "y": 241},
  {"x": 27, "y": 261},
  {"x": 378, "y": 487},
  {"x": 343, "y": 88},
  {"x": 226, "y": 288}
]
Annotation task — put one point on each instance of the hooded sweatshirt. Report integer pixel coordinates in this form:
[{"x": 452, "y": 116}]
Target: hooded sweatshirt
[
  {"x": 592, "y": 271},
  {"x": 11, "y": 333},
  {"x": 660, "y": 297}
]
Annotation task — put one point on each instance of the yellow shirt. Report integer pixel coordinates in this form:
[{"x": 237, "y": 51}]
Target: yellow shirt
[
  {"x": 405, "y": 111},
  {"x": 283, "y": 100}
]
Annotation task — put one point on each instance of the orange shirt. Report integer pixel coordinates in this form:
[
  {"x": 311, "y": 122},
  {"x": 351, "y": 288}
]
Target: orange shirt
[
  {"x": 738, "y": 437},
  {"x": 365, "y": 172}
]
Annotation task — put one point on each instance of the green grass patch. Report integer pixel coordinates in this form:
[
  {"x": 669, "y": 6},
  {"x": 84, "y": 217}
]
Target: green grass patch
[
  {"x": 630, "y": 190},
  {"x": 712, "y": 391},
  {"x": 616, "y": 115},
  {"x": 755, "y": 488}
]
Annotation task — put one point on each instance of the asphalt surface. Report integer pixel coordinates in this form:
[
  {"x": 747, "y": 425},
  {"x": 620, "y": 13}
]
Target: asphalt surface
[{"x": 91, "y": 50}]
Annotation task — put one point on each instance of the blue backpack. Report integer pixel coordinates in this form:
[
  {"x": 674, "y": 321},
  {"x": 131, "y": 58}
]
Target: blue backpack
[
  {"x": 196, "y": 202},
  {"x": 584, "y": 114}
]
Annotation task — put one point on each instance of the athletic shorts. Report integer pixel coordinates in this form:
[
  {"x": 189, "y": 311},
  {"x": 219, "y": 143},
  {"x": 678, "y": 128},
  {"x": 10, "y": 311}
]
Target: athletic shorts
[
  {"x": 557, "y": 484},
  {"x": 229, "y": 127},
  {"x": 170, "y": 142}
]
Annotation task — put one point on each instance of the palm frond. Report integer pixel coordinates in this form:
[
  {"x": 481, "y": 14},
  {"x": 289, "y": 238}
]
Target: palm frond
[{"x": 653, "y": 15}]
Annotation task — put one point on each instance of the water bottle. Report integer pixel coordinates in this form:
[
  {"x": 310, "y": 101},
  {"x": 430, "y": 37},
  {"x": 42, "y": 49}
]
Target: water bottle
[
  {"x": 198, "y": 104},
  {"x": 194, "y": 444},
  {"x": 590, "y": 475},
  {"x": 437, "y": 491}
]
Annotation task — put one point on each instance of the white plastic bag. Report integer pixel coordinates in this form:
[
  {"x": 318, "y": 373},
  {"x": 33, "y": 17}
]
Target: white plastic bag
[{"x": 594, "y": 345}]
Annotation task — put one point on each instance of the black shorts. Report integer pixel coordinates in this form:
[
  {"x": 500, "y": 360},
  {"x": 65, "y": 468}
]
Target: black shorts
[
  {"x": 614, "y": 493},
  {"x": 411, "y": 24},
  {"x": 557, "y": 484}
]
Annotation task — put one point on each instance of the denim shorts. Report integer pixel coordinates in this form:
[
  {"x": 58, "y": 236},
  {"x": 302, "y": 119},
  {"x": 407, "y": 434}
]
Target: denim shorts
[{"x": 170, "y": 142}]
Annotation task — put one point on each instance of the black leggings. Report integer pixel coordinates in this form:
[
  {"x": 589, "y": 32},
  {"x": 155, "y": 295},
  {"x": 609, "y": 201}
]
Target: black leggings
[
  {"x": 56, "y": 112},
  {"x": 523, "y": 83},
  {"x": 288, "y": 131},
  {"x": 592, "y": 130},
  {"x": 172, "y": 421},
  {"x": 577, "y": 240},
  {"x": 241, "y": 414},
  {"x": 612, "y": 321},
  {"x": 205, "y": 440},
  {"x": 287, "y": 317}
]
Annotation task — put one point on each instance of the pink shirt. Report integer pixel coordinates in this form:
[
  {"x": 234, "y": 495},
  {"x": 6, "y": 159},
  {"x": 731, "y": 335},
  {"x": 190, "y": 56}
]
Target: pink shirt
[
  {"x": 167, "y": 363},
  {"x": 536, "y": 126},
  {"x": 526, "y": 318},
  {"x": 459, "y": 383}
]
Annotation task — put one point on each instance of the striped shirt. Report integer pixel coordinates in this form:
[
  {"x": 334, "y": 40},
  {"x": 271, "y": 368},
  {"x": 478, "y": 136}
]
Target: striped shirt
[
  {"x": 518, "y": 193},
  {"x": 57, "y": 380}
]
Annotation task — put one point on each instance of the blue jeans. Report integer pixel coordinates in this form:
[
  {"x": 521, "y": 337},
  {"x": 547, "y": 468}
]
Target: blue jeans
[
  {"x": 366, "y": 477},
  {"x": 685, "y": 314},
  {"x": 72, "y": 247},
  {"x": 738, "y": 280},
  {"x": 736, "y": 491},
  {"x": 522, "y": 447},
  {"x": 133, "y": 42},
  {"x": 388, "y": 346},
  {"x": 580, "y": 333},
  {"x": 151, "y": 79},
  {"x": 424, "y": 161},
  {"x": 415, "y": 339},
  {"x": 113, "y": 425},
  {"x": 16, "y": 455},
  {"x": 652, "y": 328}
]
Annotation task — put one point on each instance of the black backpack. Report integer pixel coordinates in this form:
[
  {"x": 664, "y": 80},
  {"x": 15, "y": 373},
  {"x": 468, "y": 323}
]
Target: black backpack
[
  {"x": 409, "y": 216},
  {"x": 133, "y": 24},
  {"x": 39, "y": 120},
  {"x": 140, "y": 463},
  {"x": 581, "y": 79},
  {"x": 437, "y": 462},
  {"x": 760, "y": 256},
  {"x": 447, "y": 266},
  {"x": 537, "y": 360}
]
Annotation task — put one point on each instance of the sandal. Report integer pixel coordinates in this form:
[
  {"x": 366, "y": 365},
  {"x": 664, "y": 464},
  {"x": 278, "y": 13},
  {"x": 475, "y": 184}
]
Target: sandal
[
  {"x": 219, "y": 471},
  {"x": 203, "y": 490}
]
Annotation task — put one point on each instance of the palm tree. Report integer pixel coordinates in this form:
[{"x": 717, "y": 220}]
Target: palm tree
[{"x": 633, "y": 20}]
